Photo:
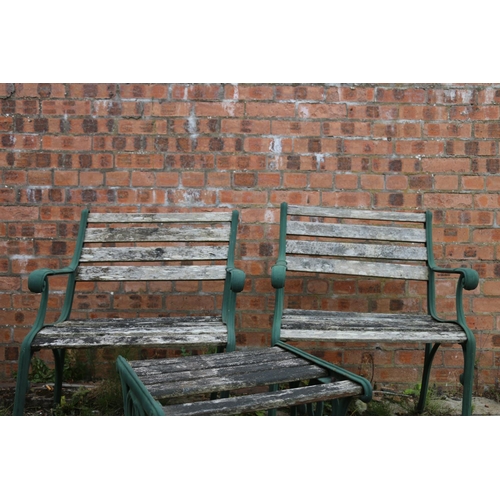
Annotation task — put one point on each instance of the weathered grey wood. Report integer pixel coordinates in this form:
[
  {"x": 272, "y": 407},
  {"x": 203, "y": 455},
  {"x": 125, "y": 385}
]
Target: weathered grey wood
[
  {"x": 153, "y": 273},
  {"x": 364, "y": 232},
  {"x": 358, "y": 268},
  {"x": 243, "y": 359},
  {"x": 200, "y": 374},
  {"x": 268, "y": 376},
  {"x": 164, "y": 332},
  {"x": 393, "y": 252},
  {"x": 108, "y": 235},
  {"x": 148, "y": 254},
  {"x": 266, "y": 400},
  {"x": 347, "y": 213},
  {"x": 337, "y": 326},
  {"x": 159, "y": 217}
]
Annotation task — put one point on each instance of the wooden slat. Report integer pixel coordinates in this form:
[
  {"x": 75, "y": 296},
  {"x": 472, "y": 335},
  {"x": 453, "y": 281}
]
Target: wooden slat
[
  {"x": 347, "y": 213},
  {"x": 155, "y": 273},
  {"x": 94, "y": 235},
  {"x": 148, "y": 254},
  {"x": 366, "y": 250},
  {"x": 172, "y": 331},
  {"x": 340, "y": 326},
  {"x": 247, "y": 357},
  {"x": 266, "y": 400},
  {"x": 160, "y": 217},
  {"x": 357, "y": 268},
  {"x": 266, "y": 376},
  {"x": 199, "y": 373},
  {"x": 364, "y": 232}
]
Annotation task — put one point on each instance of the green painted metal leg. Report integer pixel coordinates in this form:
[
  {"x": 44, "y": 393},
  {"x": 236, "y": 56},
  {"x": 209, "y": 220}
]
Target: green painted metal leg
[
  {"x": 22, "y": 382},
  {"x": 59, "y": 366},
  {"x": 467, "y": 378},
  {"x": 430, "y": 351}
]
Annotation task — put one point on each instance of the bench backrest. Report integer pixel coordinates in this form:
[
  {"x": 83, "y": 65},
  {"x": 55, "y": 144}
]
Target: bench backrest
[
  {"x": 355, "y": 242},
  {"x": 159, "y": 246}
]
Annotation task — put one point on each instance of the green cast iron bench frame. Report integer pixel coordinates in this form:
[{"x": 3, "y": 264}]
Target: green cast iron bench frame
[
  {"x": 247, "y": 381},
  {"x": 371, "y": 244},
  {"x": 138, "y": 247}
]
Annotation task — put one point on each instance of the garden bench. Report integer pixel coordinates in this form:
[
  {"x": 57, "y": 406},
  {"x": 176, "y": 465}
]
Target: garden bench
[
  {"x": 369, "y": 243},
  {"x": 258, "y": 380},
  {"x": 139, "y": 247}
]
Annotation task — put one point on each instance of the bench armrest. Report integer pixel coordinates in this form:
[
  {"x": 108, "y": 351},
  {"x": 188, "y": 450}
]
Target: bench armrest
[
  {"x": 37, "y": 279},
  {"x": 278, "y": 273},
  {"x": 470, "y": 277},
  {"x": 237, "y": 279}
]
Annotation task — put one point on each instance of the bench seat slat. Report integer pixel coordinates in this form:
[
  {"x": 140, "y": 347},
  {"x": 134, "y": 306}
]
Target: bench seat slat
[
  {"x": 241, "y": 369},
  {"x": 162, "y": 332},
  {"x": 153, "y": 273},
  {"x": 148, "y": 254},
  {"x": 267, "y": 376},
  {"x": 365, "y": 250},
  {"x": 159, "y": 217},
  {"x": 360, "y": 327},
  {"x": 172, "y": 366},
  {"x": 266, "y": 400},
  {"x": 347, "y": 213},
  {"x": 113, "y": 234},
  {"x": 364, "y": 232},
  {"x": 357, "y": 268}
]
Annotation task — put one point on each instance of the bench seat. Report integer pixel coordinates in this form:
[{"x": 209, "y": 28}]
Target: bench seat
[
  {"x": 311, "y": 325},
  {"x": 151, "y": 332},
  {"x": 248, "y": 372}
]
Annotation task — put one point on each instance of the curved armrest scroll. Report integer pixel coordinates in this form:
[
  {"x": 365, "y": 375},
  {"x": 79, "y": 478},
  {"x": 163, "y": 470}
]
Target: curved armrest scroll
[
  {"x": 470, "y": 277},
  {"x": 278, "y": 273},
  {"x": 238, "y": 278},
  {"x": 36, "y": 280}
]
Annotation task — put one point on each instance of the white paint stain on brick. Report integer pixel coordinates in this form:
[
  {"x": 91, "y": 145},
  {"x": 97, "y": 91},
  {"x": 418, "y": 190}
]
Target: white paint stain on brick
[{"x": 275, "y": 146}]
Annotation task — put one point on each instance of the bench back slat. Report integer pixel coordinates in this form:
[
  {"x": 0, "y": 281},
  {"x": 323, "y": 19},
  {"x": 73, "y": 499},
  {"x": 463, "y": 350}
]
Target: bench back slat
[
  {"x": 354, "y": 242},
  {"x": 157, "y": 218},
  {"x": 108, "y": 235},
  {"x": 150, "y": 254},
  {"x": 147, "y": 273},
  {"x": 392, "y": 252},
  {"x": 358, "y": 268},
  {"x": 382, "y": 233},
  {"x": 347, "y": 213}
]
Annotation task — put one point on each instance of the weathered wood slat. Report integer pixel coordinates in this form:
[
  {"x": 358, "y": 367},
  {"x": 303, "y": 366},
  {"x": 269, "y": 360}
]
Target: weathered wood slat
[
  {"x": 135, "y": 325},
  {"x": 193, "y": 339},
  {"x": 337, "y": 326},
  {"x": 373, "y": 336},
  {"x": 156, "y": 273},
  {"x": 171, "y": 331},
  {"x": 242, "y": 359},
  {"x": 382, "y": 233},
  {"x": 148, "y": 254},
  {"x": 357, "y": 268},
  {"x": 347, "y": 213},
  {"x": 266, "y": 401},
  {"x": 371, "y": 320},
  {"x": 366, "y": 250},
  {"x": 265, "y": 377},
  {"x": 160, "y": 217},
  {"x": 199, "y": 374},
  {"x": 108, "y": 235}
]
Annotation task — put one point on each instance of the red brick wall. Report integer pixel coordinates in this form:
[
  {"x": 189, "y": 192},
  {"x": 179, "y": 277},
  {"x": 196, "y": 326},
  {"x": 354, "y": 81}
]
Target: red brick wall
[{"x": 69, "y": 146}]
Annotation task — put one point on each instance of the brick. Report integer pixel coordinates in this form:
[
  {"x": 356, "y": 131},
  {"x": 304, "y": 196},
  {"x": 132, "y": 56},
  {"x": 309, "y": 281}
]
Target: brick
[
  {"x": 148, "y": 91},
  {"x": 312, "y": 111},
  {"x": 238, "y": 126},
  {"x": 459, "y": 165}
]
